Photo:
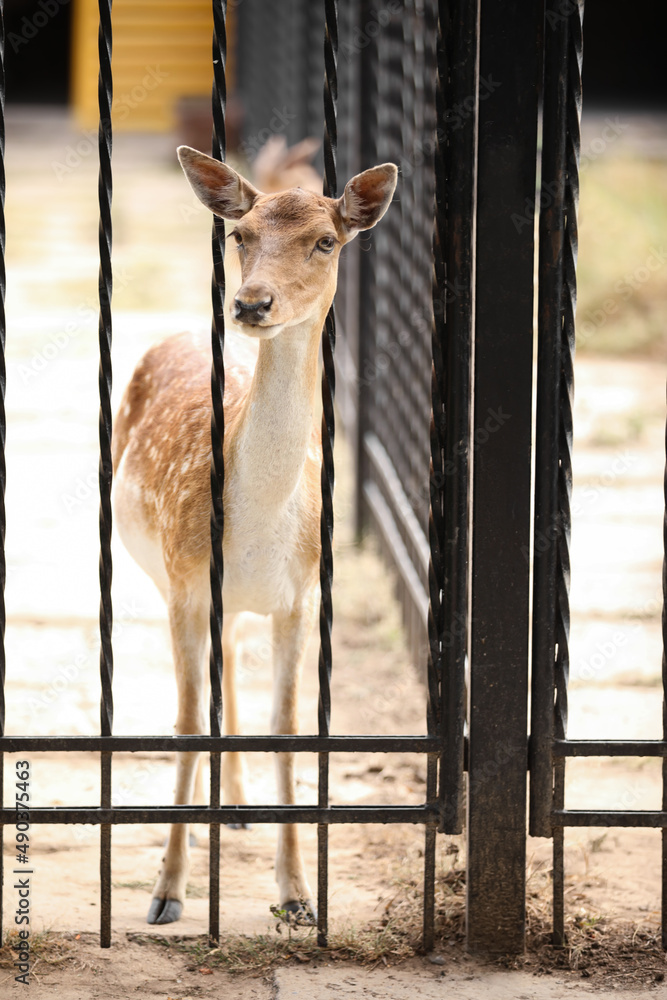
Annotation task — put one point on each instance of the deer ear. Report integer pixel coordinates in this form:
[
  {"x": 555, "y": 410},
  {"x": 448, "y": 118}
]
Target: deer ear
[
  {"x": 366, "y": 198},
  {"x": 220, "y": 188}
]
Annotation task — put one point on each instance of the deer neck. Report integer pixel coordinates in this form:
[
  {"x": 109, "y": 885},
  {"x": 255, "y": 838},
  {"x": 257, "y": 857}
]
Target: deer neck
[{"x": 276, "y": 422}]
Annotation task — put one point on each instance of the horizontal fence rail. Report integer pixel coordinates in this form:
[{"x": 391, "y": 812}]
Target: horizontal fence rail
[
  {"x": 610, "y": 748},
  {"x": 610, "y": 817},
  {"x": 219, "y": 744},
  {"x": 230, "y": 814}
]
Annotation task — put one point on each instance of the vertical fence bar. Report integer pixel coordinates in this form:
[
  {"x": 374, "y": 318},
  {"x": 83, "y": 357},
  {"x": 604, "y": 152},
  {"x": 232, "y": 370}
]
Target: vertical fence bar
[
  {"x": 438, "y": 419},
  {"x": 454, "y": 317},
  {"x": 548, "y": 515},
  {"x": 664, "y": 706},
  {"x": 570, "y": 247},
  {"x": 506, "y": 165},
  {"x": 558, "y": 857},
  {"x": 219, "y": 149},
  {"x": 3, "y": 428},
  {"x": 327, "y": 478},
  {"x": 105, "y": 284},
  {"x": 434, "y": 710},
  {"x": 368, "y": 98},
  {"x": 430, "y": 836}
]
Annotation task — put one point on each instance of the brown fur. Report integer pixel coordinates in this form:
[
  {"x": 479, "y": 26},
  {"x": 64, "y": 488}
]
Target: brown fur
[{"x": 288, "y": 253}]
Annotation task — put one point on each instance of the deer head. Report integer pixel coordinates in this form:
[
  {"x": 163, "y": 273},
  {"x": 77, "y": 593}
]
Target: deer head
[{"x": 289, "y": 242}]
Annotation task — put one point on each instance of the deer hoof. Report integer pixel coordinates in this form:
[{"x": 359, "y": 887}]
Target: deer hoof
[
  {"x": 164, "y": 911},
  {"x": 240, "y": 826},
  {"x": 302, "y": 913}
]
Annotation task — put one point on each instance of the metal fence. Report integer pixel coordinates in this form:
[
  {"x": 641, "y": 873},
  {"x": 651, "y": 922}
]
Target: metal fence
[
  {"x": 106, "y": 743},
  {"x": 434, "y": 361},
  {"x": 550, "y": 746}
]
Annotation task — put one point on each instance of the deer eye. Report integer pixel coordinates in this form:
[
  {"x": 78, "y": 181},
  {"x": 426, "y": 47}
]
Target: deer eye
[
  {"x": 326, "y": 244},
  {"x": 238, "y": 239}
]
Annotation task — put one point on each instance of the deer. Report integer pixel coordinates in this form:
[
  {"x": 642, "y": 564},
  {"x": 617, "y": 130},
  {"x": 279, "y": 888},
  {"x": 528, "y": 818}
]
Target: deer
[
  {"x": 276, "y": 167},
  {"x": 288, "y": 245}
]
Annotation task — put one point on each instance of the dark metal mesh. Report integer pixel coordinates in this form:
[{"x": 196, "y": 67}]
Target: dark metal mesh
[
  {"x": 386, "y": 70},
  {"x": 399, "y": 365},
  {"x": 280, "y": 70}
]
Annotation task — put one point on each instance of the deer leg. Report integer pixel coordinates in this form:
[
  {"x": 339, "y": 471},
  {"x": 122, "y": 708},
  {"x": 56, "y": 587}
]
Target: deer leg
[
  {"x": 188, "y": 622},
  {"x": 290, "y": 638},
  {"x": 232, "y": 762}
]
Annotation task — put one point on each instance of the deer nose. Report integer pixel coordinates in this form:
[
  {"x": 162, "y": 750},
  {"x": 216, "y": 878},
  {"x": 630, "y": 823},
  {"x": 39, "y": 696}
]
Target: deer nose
[{"x": 253, "y": 308}]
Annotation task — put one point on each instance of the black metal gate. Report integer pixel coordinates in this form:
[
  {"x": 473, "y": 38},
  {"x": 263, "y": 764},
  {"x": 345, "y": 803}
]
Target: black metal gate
[{"x": 434, "y": 362}]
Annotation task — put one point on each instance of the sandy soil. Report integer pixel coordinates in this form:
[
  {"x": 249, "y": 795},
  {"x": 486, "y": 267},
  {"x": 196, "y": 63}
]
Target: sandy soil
[
  {"x": 133, "y": 969},
  {"x": 52, "y": 645}
]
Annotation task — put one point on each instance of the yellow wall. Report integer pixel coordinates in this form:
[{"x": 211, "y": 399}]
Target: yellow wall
[{"x": 161, "y": 52}]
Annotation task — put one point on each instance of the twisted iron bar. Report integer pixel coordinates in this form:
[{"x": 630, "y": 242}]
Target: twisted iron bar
[
  {"x": 327, "y": 476},
  {"x": 328, "y": 380},
  {"x": 435, "y": 623},
  {"x": 219, "y": 101},
  {"x": 548, "y": 421},
  {"x": 570, "y": 247},
  {"x": 219, "y": 149},
  {"x": 438, "y": 418},
  {"x": 564, "y": 484},
  {"x": 105, "y": 283},
  {"x": 664, "y": 704}
]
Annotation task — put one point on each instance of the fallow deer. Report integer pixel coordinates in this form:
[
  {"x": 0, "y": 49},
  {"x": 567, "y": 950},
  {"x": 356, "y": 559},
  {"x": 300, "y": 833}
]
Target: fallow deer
[
  {"x": 288, "y": 245},
  {"x": 278, "y": 166}
]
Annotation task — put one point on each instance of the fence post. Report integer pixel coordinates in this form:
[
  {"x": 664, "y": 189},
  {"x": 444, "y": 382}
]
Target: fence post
[
  {"x": 367, "y": 111},
  {"x": 510, "y": 35}
]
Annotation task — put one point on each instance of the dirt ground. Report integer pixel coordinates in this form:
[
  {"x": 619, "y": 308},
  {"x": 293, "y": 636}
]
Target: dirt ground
[{"x": 52, "y": 648}]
